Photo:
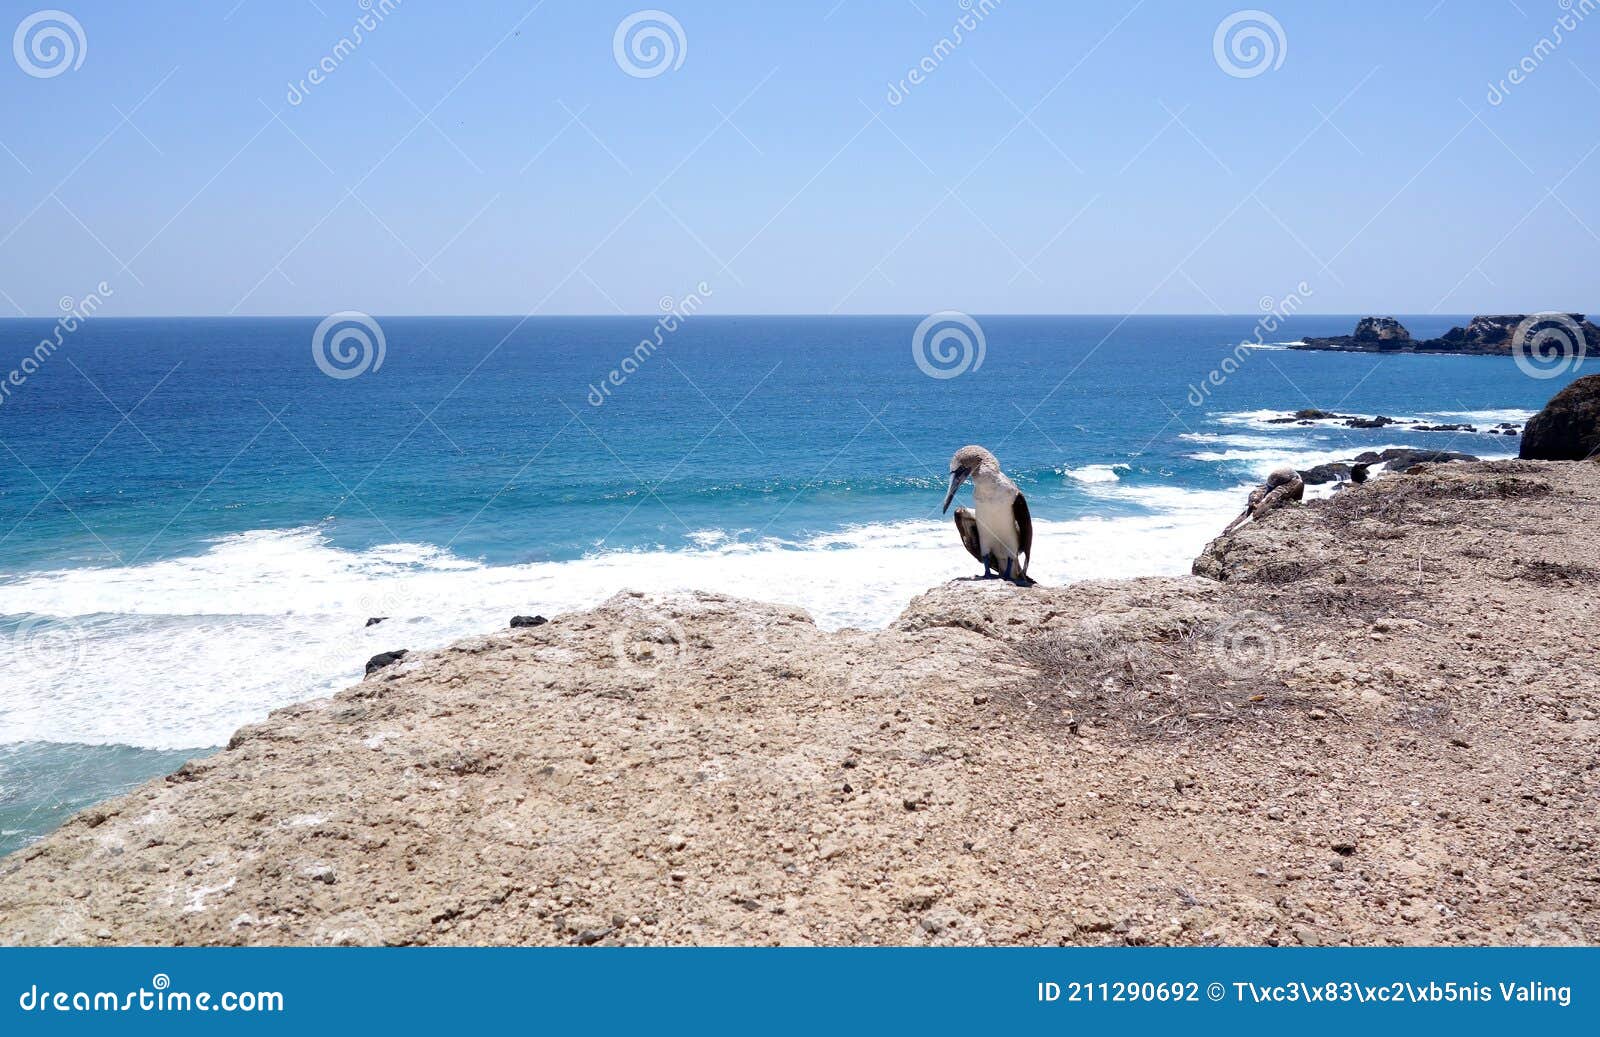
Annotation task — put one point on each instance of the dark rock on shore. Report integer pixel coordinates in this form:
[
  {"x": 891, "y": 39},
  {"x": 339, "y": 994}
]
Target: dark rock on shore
[
  {"x": 1378, "y": 422},
  {"x": 1445, "y": 428},
  {"x": 527, "y": 621},
  {"x": 1488, "y": 335},
  {"x": 375, "y": 620},
  {"x": 1568, "y": 429},
  {"x": 383, "y": 659},
  {"x": 1397, "y": 459},
  {"x": 1333, "y": 471}
]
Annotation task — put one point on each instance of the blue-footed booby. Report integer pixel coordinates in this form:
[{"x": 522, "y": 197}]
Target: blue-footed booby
[
  {"x": 999, "y": 532},
  {"x": 1283, "y": 486}
]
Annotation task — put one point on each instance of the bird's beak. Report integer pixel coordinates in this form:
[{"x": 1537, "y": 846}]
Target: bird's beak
[{"x": 957, "y": 477}]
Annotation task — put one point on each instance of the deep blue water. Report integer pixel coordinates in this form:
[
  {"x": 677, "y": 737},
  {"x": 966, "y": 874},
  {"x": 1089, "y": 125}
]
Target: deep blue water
[
  {"x": 478, "y": 433},
  {"x": 195, "y": 519}
]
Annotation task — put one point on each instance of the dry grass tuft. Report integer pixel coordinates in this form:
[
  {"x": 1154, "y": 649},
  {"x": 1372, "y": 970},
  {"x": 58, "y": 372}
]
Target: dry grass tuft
[
  {"x": 1205, "y": 677},
  {"x": 1280, "y": 571},
  {"x": 1549, "y": 573}
]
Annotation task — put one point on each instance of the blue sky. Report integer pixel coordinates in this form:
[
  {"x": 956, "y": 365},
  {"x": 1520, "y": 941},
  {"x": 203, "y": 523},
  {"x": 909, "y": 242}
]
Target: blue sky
[{"x": 492, "y": 158}]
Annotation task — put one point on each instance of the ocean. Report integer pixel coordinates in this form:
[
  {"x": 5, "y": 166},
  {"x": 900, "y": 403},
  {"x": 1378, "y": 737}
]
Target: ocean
[{"x": 197, "y": 518}]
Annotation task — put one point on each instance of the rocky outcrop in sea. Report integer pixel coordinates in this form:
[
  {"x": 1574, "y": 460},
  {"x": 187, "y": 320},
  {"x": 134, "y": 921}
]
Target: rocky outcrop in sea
[{"x": 1492, "y": 335}]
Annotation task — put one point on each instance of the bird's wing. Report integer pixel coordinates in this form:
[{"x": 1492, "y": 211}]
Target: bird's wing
[
  {"x": 1024, "y": 521},
  {"x": 1279, "y": 497},
  {"x": 967, "y": 526}
]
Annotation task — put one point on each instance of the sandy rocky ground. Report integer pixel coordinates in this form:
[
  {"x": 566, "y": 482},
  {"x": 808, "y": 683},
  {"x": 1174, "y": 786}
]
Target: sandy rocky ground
[{"x": 1378, "y": 726}]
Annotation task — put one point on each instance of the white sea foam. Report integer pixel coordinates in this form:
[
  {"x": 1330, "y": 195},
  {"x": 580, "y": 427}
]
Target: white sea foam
[
  {"x": 1096, "y": 473},
  {"x": 179, "y": 653},
  {"x": 1280, "y": 441},
  {"x": 1481, "y": 417},
  {"x": 1258, "y": 463},
  {"x": 1263, "y": 419}
]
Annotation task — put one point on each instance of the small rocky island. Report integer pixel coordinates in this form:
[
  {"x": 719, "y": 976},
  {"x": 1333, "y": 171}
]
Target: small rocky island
[{"x": 1484, "y": 336}]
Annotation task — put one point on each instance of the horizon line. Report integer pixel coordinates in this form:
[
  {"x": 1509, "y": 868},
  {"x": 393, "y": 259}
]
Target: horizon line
[{"x": 820, "y": 316}]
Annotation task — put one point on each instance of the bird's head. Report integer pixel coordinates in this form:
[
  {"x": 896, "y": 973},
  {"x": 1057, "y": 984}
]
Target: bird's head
[{"x": 967, "y": 462}]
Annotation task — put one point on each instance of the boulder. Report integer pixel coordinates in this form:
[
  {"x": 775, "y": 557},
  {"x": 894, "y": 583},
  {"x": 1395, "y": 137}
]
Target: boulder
[
  {"x": 1333, "y": 471},
  {"x": 1378, "y": 422},
  {"x": 528, "y": 621},
  {"x": 1381, "y": 329},
  {"x": 375, "y": 620},
  {"x": 1568, "y": 429},
  {"x": 1397, "y": 459},
  {"x": 383, "y": 659}
]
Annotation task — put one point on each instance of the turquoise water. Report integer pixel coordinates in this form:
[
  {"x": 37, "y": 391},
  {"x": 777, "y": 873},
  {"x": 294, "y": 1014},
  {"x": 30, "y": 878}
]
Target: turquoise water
[
  {"x": 42, "y": 784},
  {"x": 196, "y": 520}
]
